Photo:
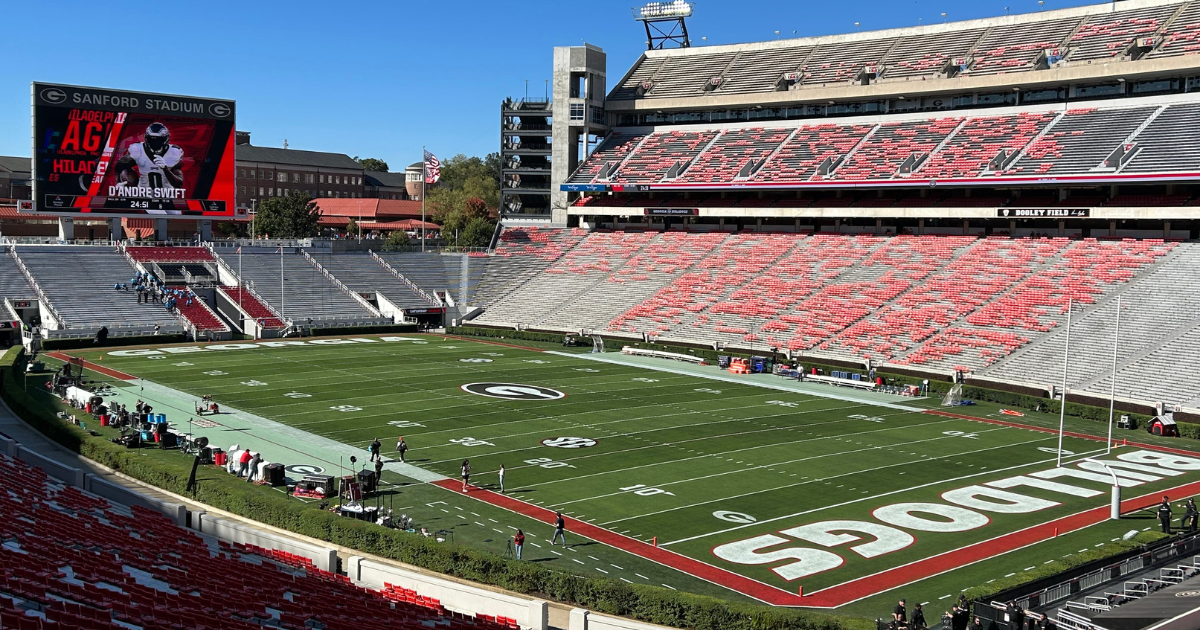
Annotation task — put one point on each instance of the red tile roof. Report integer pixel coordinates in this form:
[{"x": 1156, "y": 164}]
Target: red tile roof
[{"x": 367, "y": 209}]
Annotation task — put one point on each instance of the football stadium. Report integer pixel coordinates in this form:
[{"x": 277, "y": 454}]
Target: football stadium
[{"x": 888, "y": 329}]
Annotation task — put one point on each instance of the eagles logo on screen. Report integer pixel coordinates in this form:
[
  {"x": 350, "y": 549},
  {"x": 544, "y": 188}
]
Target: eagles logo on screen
[{"x": 151, "y": 168}]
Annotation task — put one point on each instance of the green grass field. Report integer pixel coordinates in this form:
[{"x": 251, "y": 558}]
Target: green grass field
[{"x": 725, "y": 473}]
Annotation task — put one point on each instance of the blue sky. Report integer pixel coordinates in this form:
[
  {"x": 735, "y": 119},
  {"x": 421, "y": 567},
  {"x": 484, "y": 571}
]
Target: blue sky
[{"x": 377, "y": 79}]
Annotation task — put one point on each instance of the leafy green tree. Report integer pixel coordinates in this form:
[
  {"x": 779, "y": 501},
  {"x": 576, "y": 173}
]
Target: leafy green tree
[
  {"x": 477, "y": 233},
  {"x": 293, "y": 216},
  {"x": 492, "y": 160},
  {"x": 372, "y": 164},
  {"x": 352, "y": 228},
  {"x": 396, "y": 241}
]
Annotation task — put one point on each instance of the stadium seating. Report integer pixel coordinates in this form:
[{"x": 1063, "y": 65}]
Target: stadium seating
[
  {"x": 1080, "y": 141},
  {"x": 843, "y": 61},
  {"x": 169, "y": 254},
  {"x": 79, "y": 281},
  {"x": 881, "y": 155},
  {"x": 1103, "y": 37},
  {"x": 1182, "y": 37},
  {"x": 921, "y": 56},
  {"x": 733, "y": 263},
  {"x": 588, "y": 264},
  {"x": 1084, "y": 272},
  {"x": 732, "y": 152},
  {"x": 661, "y": 152},
  {"x": 753, "y": 69},
  {"x": 800, "y": 157},
  {"x": 199, "y": 314},
  {"x": 686, "y": 75},
  {"x": 74, "y": 561},
  {"x": 1151, "y": 315},
  {"x": 1076, "y": 142},
  {"x": 1171, "y": 142},
  {"x": 306, "y": 292},
  {"x": 363, "y": 274},
  {"x": 1024, "y": 45},
  {"x": 980, "y": 141},
  {"x": 252, "y": 306},
  {"x": 983, "y": 273},
  {"x": 520, "y": 255},
  {"x": 12, "y": 281},
  {"x": 612, "y": 151}
]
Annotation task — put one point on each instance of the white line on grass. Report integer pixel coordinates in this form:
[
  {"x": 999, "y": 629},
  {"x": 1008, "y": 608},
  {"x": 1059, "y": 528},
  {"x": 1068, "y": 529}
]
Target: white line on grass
[
  {"x": 860, "y": 499},
  {"x": 824, "y": 455}
]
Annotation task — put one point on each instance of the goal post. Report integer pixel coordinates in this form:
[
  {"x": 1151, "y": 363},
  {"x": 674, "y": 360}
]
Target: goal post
[
  {"x": 953, "y": 397},
  {"x": 597, "y": 344}
]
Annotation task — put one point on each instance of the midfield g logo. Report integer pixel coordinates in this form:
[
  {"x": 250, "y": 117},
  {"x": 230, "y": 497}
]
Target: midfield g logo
[
  {"x": 569, "y": 442},
  {"x": 512, "y": 391}
]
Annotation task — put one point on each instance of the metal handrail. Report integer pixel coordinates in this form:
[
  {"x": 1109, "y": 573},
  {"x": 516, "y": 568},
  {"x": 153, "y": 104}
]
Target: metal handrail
[
  {"x": 339, "y": 284},
  {"x": 403, "y": 278},
  {"x": 37, "y": 288}
]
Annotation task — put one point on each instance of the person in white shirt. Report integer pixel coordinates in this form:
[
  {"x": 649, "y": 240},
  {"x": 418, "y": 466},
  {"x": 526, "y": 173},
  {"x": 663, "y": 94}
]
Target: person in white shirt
[{"x": 501, "y": 478}]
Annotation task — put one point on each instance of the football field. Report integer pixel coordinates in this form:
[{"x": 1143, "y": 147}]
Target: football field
[{"x": 747, "y": 487}]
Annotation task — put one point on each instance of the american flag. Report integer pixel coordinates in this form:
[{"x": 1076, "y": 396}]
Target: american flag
[{"x": 433, "y": 168}]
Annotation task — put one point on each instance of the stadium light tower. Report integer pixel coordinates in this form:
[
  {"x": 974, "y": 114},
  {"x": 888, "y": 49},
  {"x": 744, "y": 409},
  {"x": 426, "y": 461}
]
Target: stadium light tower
[{"x": 665, "y": 23}]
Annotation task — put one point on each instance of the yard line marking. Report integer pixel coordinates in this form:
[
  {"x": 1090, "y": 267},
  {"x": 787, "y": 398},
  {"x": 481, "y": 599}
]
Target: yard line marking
[
  {"x": 943, "y": 597},
  {"x": 1030, "y": 568},
  {"x": 535, "y": 544},
  {"x": 594, "y": 558},
  {"x": 498, "y": 531},
  {"x": 490, "y": 519},
  {"x": 480, "y": 524},
  {"x": 654, "y": 430},
  {"x": 597, "y": 568},
  {"x": 742, "y": 470},
  {"x": 703, "y": 456},
  {"x": 579, "y": 561},
  {"x": 858, "y": 500},
  {"x": 626, "y": 581},
  {"x": 615, "y": 566},
  {"x": 641, "y": 576},
  {"x": 1010, "y": 575},
  {"x": 670, "y": 587},
  {"x": 555, "y": 552}
]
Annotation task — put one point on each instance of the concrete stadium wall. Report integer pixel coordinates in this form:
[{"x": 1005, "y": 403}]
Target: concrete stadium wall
[
  {"x": 324, "y": 558},
  {"x": 529, "y": 613},
  {"x": 586, "y": 620},
  {"x": 177, "y": 512}
]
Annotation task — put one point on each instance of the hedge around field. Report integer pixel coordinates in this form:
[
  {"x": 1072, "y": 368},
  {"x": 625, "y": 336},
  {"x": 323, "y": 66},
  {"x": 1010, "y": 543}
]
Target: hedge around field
[
  {"x": 1108, "y": 550},
  {"x": 88, "y": 342},
  {"x": 364, "y": 330},
  {"x": 166, "y": 470}
]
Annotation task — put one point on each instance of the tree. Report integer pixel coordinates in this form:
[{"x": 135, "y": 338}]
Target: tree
[
  {"x": 293, "y": 216},
  {"x": 372, "y": 164},
  {"x": 492, "y": 160},
  {"x": 396, "y": 241},
  {"x": 352, "y": 228},
  {"x": 477, "y": 233}
]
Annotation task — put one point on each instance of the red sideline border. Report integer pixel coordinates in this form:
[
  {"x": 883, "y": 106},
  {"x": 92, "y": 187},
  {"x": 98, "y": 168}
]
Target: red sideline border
[
  {"x": 859, "y": 588},
  {"x": 62, "y": 356}
]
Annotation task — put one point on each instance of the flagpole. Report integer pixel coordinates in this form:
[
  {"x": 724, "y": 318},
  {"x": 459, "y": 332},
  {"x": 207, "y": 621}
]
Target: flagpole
[
  {"x": 1062, "y": 408},
  {"x": 424, "y": 175},
  {"x": 240, "y": 287},
  {"x": 1112, "y": 392},
  {"x": 282, "y": 304}
]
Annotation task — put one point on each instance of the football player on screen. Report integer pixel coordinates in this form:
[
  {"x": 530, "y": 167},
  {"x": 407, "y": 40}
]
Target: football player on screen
[{"x": 152, "y": 163}]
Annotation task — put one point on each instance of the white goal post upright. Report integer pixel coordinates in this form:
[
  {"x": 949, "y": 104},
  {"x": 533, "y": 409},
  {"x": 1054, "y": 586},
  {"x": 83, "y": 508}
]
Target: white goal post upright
[
  {"x": 953, "y": 396},
  {"x": 1062, "y": 407}
]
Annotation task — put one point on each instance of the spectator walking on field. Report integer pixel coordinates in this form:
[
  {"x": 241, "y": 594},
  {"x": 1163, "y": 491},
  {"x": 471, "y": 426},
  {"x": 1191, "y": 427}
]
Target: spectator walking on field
[
  {"x": 401, "y": 446},
  {"x": 466, "y": 473},
  {"x": 560, "y": 529},
  {"x": 900, "y": 614},
  {"x": 374, "y": 450},
  {"x": 918, "y": 618},
  {"x": 519, "y": 542},
  {"x": 501, "y": 478}
]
